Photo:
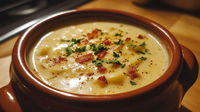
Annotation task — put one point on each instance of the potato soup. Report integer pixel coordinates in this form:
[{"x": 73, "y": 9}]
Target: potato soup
[{"x": 99, "y": 58}]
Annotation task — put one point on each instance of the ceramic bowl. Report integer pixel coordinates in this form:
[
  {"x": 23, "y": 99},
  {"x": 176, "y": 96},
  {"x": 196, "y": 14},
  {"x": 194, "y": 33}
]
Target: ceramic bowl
[{"x": 26, "y": 92}]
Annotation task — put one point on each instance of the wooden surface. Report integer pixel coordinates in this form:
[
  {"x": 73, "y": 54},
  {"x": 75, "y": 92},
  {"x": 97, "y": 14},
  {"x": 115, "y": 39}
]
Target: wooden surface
[{"x": 184, "y": 27}]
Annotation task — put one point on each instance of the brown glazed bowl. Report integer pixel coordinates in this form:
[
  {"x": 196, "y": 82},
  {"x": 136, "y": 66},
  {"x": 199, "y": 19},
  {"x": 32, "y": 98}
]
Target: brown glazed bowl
[{"x": 27, "y": 93}]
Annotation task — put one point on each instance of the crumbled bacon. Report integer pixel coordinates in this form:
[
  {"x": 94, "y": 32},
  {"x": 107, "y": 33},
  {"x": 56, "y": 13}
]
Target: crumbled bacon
[
  {"x": 85, "y": 58},
  {"x": 128, "y": 39},
  {"x": 101, "y": 69},
  {"x": 93, "y": 34},
  {"x": 141, "y": 36},
  {"x": 106, "y": 42},
  {"x": 103, "y": 80},
  {"x": 102, "y": 54},
  {"x": 59, "y": 59},
  {"x": 132, "y": 73}
]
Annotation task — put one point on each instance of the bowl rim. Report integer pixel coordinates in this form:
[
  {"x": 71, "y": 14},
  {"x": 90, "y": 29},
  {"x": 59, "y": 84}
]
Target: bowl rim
[{"x": 23, "y": 71}]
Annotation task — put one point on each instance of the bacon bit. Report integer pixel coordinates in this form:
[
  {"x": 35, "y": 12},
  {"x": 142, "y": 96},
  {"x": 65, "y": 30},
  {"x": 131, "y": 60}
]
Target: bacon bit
[
  {"x": 106, "y": 42},
  {"x": 101, "y": 69},
  {"x": 128, "y": 39},
  {"x": 93, "y": 34},
  {"x": 132, "y": 73},
  {"x": 85, "y": 58},
  {"x": 102, "y": 54},
  {"x": 141, "y": 36},
  {"x": 85, "y": 41},
  {"x": 59, "y": 59},
  {"x": 103, "y": 80}
]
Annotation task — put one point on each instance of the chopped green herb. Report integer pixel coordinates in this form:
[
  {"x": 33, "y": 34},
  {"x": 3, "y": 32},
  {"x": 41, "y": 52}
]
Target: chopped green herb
[
  {"x": 69, "y": 51},
  {"x": 76, "y": 41},
  {"x": 71, "y": 45},
  {"x": 97, "y": 62},
  {"x": 140, "y": 52},
  {"x": 123, "y": 65},
  {"x": 92, "y": 46},
  {"x": 133, "y": 83},
  {"x": 116, "y": 55},
  {"x": 142, "y": 44},
  {"x": 118, "y": 34},
  {"x": 63, "y": 40},
  {"x": 80, "y": 49},
  {"x": 97, "y": 49},
  {"x": 132, "y": 46},
  {"x": 119, "y": 42},
  {"x": 146, "y": 50},
  {"x": 98, "y": 29},
  {"x": 101, "y": 47},
  {"x": 142, "y": 58},
  {"x": 115, "y": 61}
]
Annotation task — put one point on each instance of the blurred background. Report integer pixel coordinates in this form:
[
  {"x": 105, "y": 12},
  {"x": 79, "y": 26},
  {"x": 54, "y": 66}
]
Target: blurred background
[{"x": 18, "y": 15}]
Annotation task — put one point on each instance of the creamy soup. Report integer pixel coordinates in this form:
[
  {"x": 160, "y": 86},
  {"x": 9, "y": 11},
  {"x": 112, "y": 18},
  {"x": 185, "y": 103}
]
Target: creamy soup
[{"x": 98, "y": 58}]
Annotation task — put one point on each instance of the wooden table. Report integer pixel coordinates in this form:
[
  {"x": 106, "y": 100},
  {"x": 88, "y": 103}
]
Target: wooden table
[{"x": 183, "y": 26}]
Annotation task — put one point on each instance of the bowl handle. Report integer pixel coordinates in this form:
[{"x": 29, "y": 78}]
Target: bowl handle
[
  {"x": 190, "y": 69},
  {"x": 8, "y": 101}
]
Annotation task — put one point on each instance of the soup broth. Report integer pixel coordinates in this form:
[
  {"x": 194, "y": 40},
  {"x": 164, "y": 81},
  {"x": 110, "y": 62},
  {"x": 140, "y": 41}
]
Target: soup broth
[{"x": 99, "y": 58}]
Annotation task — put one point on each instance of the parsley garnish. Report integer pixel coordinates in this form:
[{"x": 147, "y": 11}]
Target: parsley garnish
[
  {"x": 142, "y": 44},
  {"x": 118, "y": 34},
  {"x": 116, "y": 55},
  {"x": 142, "y": 58},
  {"x": 116, "y": 62},
  {"x": 146, "y": 50},
  {"x": 133, "y": 83},
  {"x": 97, "y": 62},
  {"x": 119, "y": 42},
  {"x": 97, "y": 49},
  {"x": 99, "y": 29},
  {"x": 80, "y": 49},
  {"x": 123, "y": 65},
  {"x": 140, "y": 52},
  {"x": 76, "y": 41},
  {"x": 132, "y": 46},
  {"x": 69, "y": 51}
]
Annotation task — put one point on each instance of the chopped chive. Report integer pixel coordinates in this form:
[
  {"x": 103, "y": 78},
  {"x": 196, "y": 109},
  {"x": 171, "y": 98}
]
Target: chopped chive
[
  {"x": 115, "y": 61},
  {"x": 123, "y": 65},
  {"x": 76, "y": 41},
  {"x": 142, "y": 58},
  {"x": 69, "y": 51},
  {"x": 119, "y": 42},
  {"x": 140, "y": 52},
  {"x": 97, "y": 62},
  {"x": 80, "y": 49},
  {"x": 97, "y": 49},
  {"x": 118, "y": 34},
  {"x": 116, "y": 55},
  {"x": 133, "y": 83},
  {"x": 142, "y": 44}
]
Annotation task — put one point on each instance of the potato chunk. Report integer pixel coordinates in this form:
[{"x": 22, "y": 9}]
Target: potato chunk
[{"x": 117, "y": 78}]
